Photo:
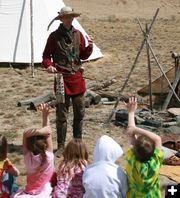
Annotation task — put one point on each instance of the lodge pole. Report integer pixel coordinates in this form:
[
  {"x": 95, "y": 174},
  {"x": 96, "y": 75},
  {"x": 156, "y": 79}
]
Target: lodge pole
[
  {"x": 149, "y": 73},
  {"x": 32, "y": 40}
]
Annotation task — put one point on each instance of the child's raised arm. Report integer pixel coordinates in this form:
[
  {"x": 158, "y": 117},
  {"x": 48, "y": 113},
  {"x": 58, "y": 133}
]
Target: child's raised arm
[
  {"x": 154, "y": 137},
  {"x": 131, "y": 108},
  {"x": 45, "y": 131},
  {"x": 132, "y": 130}
]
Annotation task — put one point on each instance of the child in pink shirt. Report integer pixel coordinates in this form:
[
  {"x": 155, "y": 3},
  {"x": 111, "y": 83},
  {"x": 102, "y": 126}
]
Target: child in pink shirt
[{"x": 39, "y": 159}]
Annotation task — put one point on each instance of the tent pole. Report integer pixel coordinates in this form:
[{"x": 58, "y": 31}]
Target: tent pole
[
  {"x": 149, "y": 72},
  {"x": 157, "y": 62},
  {"x": 132, "y": 68},
  {"x": 32, "y": 43}
]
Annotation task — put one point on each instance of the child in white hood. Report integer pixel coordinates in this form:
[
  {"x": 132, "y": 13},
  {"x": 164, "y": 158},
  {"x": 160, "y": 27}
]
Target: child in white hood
[{"x": 103, "y": 178}]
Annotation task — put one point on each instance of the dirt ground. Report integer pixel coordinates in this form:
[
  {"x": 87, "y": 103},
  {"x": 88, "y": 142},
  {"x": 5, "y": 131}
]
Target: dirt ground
[{"x": 116, "y": 32}]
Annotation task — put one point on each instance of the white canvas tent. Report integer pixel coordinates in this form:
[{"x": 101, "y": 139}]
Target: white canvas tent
[{"x": 23, "y": 28}]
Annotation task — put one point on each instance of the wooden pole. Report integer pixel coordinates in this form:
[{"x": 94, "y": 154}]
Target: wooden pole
[
  {"x": 177, "y": 67},
  {"x": 170, "y": 94},
  {"x": 174, "y": 85},
  {"x": 139, "y": 52},
  {"x": 149, "y": 73},
  {"x": 162, "y": 71},
  {"x": 132, "y": 68},
  {"x": 157, "y": 62},
  {"x": 32, "y": 40}
]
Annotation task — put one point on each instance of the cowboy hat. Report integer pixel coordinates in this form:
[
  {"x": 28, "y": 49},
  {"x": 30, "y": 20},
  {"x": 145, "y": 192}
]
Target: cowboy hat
[{"x": 65, "y": 11}]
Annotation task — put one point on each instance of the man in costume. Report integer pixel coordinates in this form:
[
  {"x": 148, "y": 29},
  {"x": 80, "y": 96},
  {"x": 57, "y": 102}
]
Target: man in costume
[{"x": 64, "y": 50}]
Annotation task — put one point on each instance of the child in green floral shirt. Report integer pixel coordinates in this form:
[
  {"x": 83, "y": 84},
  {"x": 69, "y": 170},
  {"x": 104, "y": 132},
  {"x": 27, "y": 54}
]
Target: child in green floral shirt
[{"x": 144, "y": 159}]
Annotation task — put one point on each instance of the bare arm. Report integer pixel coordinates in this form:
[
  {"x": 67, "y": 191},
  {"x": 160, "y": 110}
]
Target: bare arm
[
  {"x": 133, "y": 130},
  {"x": 131, "y": 107},
  {"x": 48, "y": 133},
  {"x": 13, "y": 171},
  {"x": 154, "y": 137},
  {"x": 46, "y": 110},
  {"x": 10, "y": 168},
  {"x": 45, "y": 131}
]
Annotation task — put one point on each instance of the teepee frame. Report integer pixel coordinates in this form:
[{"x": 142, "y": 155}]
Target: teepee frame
[{"x": 149, "y": 47}]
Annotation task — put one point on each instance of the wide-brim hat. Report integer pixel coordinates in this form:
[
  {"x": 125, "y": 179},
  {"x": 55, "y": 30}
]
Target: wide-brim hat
[{"x": 65, "y": 11}]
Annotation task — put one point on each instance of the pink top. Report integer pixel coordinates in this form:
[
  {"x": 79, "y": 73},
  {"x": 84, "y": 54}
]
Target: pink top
[
  {"x": 70, "y": 186},
  {"x": 37, "y": 179}
]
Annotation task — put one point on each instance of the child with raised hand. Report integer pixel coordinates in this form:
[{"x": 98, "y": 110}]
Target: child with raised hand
[
  {"x": 144, "y": 159},
  {"x": 70, "y": 171},
  {"x": 7, "y": 170},
  {"x": 39, "y": 159}
]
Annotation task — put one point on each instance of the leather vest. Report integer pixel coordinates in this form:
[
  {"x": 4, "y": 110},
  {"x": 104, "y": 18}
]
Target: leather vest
[{"x": 67, "y": 51}]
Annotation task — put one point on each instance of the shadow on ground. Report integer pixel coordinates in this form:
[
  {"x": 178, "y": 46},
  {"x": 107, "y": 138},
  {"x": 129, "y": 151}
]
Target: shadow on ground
[{"x": 12, "y": 148}]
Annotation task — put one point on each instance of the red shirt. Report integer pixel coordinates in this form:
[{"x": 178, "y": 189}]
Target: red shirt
[{"x": 73, "y": 84}]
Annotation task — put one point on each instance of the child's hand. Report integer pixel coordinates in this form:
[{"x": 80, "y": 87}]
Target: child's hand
[
  {"x": 132, "y": 104},
  {"x": 45, "y": 108}
]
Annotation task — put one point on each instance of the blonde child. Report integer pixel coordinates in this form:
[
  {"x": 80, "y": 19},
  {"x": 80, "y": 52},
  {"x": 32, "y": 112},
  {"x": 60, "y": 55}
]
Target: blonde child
[
  {"x": 144, "y": 159},
  {"x": 71, "y": 168},
  {"x": 7, "y": 170},
  {"x": 39, "y": 159}
]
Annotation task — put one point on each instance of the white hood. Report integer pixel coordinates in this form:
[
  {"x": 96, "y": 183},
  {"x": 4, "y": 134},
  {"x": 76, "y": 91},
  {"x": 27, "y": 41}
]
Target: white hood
[
  {"x": 103, "y": 178},
  {"x": 107, "y": 149}
]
